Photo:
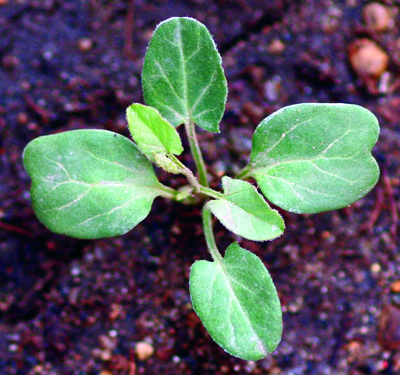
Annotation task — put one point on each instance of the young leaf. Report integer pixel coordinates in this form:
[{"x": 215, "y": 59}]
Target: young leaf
[
  {"x": 89, "y": 183},
  {"x": 309, "y": 158},
  {"x": 238, "y": 304},
  {"x": 164, "y": 162},
  {"x": 245, "y": 212},
  {"x": 152, "y": 134},
  {"x": 182, "y": 74}
]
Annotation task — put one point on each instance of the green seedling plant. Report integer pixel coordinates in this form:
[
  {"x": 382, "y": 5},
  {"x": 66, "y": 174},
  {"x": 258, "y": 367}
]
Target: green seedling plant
[{"x": 305, "y": 158}]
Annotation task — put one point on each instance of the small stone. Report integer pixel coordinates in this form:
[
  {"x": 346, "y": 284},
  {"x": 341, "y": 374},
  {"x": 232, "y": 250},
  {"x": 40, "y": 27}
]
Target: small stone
[
  {"x": 276, "y": 47},
  {"x": 10, "y": 62},
  {"x": 272, "y": 88},
  {"x": 331, "y": 20},
  {"x": 22, "y": 118},
  {"x": 219, "y": 168},
  {"x": 378, "y": 17},
  {"x": 375, "y": 268},
  {"x": 13, "y": 347},
  {"x": 25, "y": 85},
  {"x": 395, "y": 287},
  {"x": 105, "y": 355},
  {"x": 108, "y": 343},
  {"x": 254, "y": 111},
  {"x": 367, "y": 58},
  {"x": 144, "y": 350},
  {"x": 115, "y": 311},
  {"x": 389, "y": 328},
  {"x": 85, "y": 44},
  {"x": 113, "y": 333}
]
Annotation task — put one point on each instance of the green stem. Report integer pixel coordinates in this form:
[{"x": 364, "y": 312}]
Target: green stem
[
  {"x": 211, "y": 192},
  {"x": 187, "y": 173},
  {"x": 168, "y": 192},
  {"x": 204, "y": 188},
  {"x": 196, "y": 152},
  {"x": 197, "y": 187},
  {"x": 244, "y": 173},
  {"x": 208, "y": 233}
]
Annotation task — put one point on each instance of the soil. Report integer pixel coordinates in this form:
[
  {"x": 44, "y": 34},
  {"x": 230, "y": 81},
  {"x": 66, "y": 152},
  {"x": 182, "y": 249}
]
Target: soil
[{"x": 73, "y": 307}]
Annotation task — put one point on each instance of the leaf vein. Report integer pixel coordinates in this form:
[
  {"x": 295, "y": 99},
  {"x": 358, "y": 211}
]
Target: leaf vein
[
  {"x": 203, "y": 92},
  {"x": 169, "y": 82},
  {"x": 106, "y": 213},
  {"x": 291, "y": 184},
  {"x": 76, "y": 200},
  {"x": 336, "y": 140},
  {"x": 332, "y": 174}
]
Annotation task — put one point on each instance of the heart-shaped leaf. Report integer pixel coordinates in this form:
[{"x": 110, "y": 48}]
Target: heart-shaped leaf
[
  {"x": 182, "y": 74},
  {"x": 152, "y": 133},
  {"x": 238, "y": 304},
  {"x": 90, "y": 183},
  {"x": 309, "y": 158},
  {"x": 244, "y": 211}
]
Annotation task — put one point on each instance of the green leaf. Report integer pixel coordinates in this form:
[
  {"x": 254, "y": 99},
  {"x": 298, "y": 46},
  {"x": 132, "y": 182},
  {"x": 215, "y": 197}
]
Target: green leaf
[
  {"x": 309, "y": 158},
  {"x": 182, "y": 74},
  {"x": 90, "y": 183},
  {"x": 151, "y": 132},
  {"x": 245, "y": 212},
  {"x": 238, "y": 304}
]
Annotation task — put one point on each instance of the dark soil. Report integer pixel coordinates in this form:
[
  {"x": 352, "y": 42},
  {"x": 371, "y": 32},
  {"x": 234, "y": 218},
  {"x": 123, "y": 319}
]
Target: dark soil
[{"x": 79, "y": 307}]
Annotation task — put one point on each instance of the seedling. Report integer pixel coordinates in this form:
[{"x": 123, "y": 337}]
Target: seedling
[{"x": 306, "y": 158}]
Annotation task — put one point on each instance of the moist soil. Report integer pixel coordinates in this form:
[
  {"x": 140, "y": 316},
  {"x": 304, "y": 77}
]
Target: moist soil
[{"x": 74, "y": 307}]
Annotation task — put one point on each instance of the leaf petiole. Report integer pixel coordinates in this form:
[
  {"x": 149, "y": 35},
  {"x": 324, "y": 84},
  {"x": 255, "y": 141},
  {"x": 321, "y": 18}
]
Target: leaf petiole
[
  {"x": 169, "y": 193},
  {"x": 210, "y": 192},
  {"x": 186, "y": 172},
  {"x": 197, "y": 186},
  {"x": 196, "y": 152},
  {"x": 209, "y": 235},
  {"x": 244, "y": 173}
]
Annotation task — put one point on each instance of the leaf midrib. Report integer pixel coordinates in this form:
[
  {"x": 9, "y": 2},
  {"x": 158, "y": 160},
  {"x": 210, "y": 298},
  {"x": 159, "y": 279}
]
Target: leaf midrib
[
  {"x": 249, "y": 213},
  {"x": 184, "y": 73},
  {"x": 231, "y": 290},
  {"x": 266, "y": 168}
]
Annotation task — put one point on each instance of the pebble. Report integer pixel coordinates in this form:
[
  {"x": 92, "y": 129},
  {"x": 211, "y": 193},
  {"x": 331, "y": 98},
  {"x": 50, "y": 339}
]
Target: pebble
[
  {"x": 144, "y": 350},
  {"x": 10, "y": 62},
  {"x": 272, "y": 88},
  {"x": 395, "y": 287},
  {"x": 108, "y": 343},
  {"x": 389, "y": 324},
  {"x": 389, "y": 328},
  {"x": 378, "y": 17},
  {"x": 22, "y": 118},
  {"x": 13, "y": 347},
  {"x": 276, "y": 47},
  {"x": 332, "y": 19},
  {"x": 254, "y": 111},
  {"x": 85, "y": 44},
  {"x": 375, "y": 268},
  {"x": 367, "y": 58}
]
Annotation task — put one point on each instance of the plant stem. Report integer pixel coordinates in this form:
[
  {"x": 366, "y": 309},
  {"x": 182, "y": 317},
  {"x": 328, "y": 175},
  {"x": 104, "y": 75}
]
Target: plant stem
[
  {"x": 187, "y": 173},
  {"x": 208, "y": 233},
  {"x": 168, "y": 192},
  {"x": 244, "y": 173},
  {"x": 204, "y": 188},
  {"x": 210, "y": 192},
  {"x": 196, "y": 152},
  {"x": 197, "y": 187}
]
